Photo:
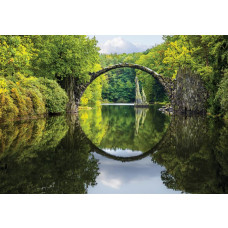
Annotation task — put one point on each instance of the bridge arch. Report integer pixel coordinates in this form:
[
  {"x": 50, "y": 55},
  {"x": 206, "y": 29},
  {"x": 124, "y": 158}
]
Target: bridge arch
[
  {"x": 166, "y": 82},
  {"x": 186, "y": 94}
]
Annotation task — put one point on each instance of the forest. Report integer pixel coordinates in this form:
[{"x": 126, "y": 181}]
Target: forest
[
  {"x": 206, "y": 55},
  {"x": 39, "y": 74}
]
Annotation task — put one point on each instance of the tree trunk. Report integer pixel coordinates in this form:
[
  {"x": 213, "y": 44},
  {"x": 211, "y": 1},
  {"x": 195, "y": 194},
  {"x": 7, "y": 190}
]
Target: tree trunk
[{"x": 69, "y": 86}]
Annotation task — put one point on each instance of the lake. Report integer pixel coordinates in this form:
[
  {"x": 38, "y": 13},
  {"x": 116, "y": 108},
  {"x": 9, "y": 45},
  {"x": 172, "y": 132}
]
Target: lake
[{"x": 115, "y": 149}]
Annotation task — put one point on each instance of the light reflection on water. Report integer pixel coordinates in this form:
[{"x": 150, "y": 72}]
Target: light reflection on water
[
  {"x": 141, "y": 176},
  {"x": 122, "y": 153}
]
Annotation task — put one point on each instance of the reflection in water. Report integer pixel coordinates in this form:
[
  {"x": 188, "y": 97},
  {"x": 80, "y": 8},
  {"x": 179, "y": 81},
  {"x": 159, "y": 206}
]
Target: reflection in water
[
  {"x": 124, "y": 130},
  {"x": 54, "y": 155},
  {"x": 195, "y": 156},
  {"x": 45, "y": 156},
  {"x": 140, "y": 176},
  {"x": 140, "y": 116}
]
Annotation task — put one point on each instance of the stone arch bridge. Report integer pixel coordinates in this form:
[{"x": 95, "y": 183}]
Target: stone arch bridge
[{"x": 186, "y": 93}]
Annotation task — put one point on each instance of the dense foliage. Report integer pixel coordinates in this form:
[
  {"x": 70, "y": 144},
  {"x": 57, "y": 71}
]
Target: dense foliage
[
  {"x": 121, "y": 82},
  {"x": 16, "y": 54},
  {"x": 93, "y": 94},
  {"x": 206, "y": 55},
  {"x": 69, "y": 59},
  {"x": 27, "y": 96},
  {"x": 31, "y": 67}
]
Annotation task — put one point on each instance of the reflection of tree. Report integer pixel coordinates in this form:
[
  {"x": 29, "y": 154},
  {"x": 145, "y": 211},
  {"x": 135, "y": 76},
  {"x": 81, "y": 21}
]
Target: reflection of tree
[
  {"x": 195, "y": 156},
  {"x": 92, "y": 124},
  {"x": 27, "y": 136},
  {"x": 45, "y": 156},
  {"x": 117, "y": 125}
]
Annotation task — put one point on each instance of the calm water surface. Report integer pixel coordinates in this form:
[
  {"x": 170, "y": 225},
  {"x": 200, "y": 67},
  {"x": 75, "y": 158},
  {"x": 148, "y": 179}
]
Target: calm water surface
[{"x": 114, "y": 149}]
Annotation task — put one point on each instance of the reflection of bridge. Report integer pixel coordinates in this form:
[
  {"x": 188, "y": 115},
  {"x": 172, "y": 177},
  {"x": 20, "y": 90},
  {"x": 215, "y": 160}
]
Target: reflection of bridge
[
  {"x": 185, "y": 135},
  {"x": 94, "y": 148}
]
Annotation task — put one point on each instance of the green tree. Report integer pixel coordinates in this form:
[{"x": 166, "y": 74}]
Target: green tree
[
  {"x": 154, "y": 60},
  {"x": 121, "y": 82},
  {"x": 67, "y": 59},
  {"x": 205, "y": 55},
  {"x": 93, "y": 94}
]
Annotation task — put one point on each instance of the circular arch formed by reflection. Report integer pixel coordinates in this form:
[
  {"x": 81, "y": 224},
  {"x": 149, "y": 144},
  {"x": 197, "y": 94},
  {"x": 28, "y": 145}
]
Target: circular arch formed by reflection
[
  {"x": 167, "y": 83},
  {"x": 155, "y": 148}
]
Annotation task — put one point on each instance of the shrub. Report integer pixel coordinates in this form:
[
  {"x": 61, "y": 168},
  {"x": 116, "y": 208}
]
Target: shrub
[
  {"x": 21, "y": 96},
  {"x": 31, "y": 85},
  {"x": 55, "y": 97},
  {"x": 7, "y": 107}
]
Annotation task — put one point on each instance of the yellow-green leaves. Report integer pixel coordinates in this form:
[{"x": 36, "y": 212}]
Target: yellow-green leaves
[
  {"x": 92, "y": 95},
  {"x": 178, "y": 55},
  {"x": 66, "y": 56},
  {"x": 30, "y": 96},
  {"x": 16, "y": 54}
]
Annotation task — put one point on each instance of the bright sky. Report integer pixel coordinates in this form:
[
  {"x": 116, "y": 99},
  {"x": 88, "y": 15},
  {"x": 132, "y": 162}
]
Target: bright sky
[{"x": 126, "y": 43}]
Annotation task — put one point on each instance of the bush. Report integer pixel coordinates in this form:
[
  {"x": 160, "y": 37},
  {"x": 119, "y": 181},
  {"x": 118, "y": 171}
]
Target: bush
[
  {"x": 8, "y": 109},
  {"x": 31, "y": 85},
  {"x": 55, "y": 97},
  {"x": 21, "y": 96}
]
